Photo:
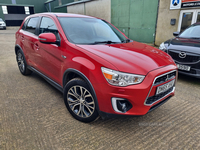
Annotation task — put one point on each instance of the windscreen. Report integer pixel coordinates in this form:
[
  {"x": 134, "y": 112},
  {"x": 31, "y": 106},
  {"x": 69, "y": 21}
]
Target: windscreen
[
  {"x": 191, "y": 32},
  {"x": 90, "y": 31}
]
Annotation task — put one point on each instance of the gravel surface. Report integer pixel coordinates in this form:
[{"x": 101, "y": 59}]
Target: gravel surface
[{"x": 33, "y": 116}]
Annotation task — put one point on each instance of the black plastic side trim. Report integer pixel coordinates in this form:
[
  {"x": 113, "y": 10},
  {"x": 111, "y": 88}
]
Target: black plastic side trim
[
  {"x": 159, "y": 104},
  {"x": 17, "y": 46},
  {"x": 53, "y": 83},
  {"x": 105, "y": 115}
]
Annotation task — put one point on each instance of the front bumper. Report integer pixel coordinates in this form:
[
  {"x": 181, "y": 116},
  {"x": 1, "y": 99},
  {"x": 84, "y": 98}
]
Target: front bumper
[
  {"x": 194, "y": 70},
  {"x": 137, "y": 95},
  {"x": 2, "y": 27},
  {"x": 191, "y": 59}
]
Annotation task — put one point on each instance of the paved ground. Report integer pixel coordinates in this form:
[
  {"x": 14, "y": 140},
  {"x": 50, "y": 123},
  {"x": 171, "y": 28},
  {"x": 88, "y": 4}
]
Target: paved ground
[{"x": 33, "y": 116}]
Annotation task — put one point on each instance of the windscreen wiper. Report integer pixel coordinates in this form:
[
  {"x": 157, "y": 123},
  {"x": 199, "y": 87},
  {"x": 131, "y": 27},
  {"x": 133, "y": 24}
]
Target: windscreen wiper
[
  {"x": 194, "y": 37},
  {"x": 107, "y": 42},
  {"x": 126, "y": 41}
]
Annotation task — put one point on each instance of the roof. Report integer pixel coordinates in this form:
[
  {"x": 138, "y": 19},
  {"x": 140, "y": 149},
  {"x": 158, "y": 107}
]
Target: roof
[
  {"x": 72, "y": 15},
  {"x": 65, "y": 15}
]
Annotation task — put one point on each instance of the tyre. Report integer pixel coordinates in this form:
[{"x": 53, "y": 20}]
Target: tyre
[
  {"x": 21, "y": 62},
  {"x": 79, "y": 101}
]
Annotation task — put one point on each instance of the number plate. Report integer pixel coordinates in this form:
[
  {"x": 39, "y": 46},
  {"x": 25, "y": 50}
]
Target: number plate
[
  {"x": 165, "y": 87},
  {"x": 183, "y": 67}
]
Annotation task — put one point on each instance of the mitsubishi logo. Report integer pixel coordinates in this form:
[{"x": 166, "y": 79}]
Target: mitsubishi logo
[
  {"x": 182, "y": 54},
  {"x": 167, "y": 78}
]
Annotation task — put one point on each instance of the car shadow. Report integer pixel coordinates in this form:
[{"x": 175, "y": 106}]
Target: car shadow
[
  {"x": 151, "y": 119},
  {"x": 44, "y": 82},
  {"x": 189, "y": 79}
]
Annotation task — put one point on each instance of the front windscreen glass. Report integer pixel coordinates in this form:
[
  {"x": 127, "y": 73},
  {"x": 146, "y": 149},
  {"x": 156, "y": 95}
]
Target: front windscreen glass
[
  {"x": 191, "y": 32},
  {"x": 90, "y": 31}
]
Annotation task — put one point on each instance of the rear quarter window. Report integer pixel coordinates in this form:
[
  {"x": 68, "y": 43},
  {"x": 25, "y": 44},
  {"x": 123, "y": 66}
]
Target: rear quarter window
[{"x": 24, "y": 25}]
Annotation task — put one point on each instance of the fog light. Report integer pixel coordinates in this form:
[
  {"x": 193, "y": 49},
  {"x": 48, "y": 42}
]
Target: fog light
[{"x": 121, "y": 105}]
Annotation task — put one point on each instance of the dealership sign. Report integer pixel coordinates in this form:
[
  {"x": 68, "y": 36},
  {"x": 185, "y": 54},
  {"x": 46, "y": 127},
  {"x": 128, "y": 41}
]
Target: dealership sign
[{"x": 177, "y": 4}]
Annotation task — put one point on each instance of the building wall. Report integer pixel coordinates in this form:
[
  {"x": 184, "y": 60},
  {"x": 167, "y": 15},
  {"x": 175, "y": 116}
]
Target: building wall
[
  {"x": 164, "y": 30},
  {"x": 97, "y": 8},
  {"x": 1, "y": 13},
  {"x": 52, "y": 4},
  {"x": 136, "y": 18},
  {"x": 59, "y": 5},
  {"x": 76, "y": 9},
  {"x": 38, "y": 4},
  {"x": 100, "y": 8},
  {"x": 62, "y": 9}
]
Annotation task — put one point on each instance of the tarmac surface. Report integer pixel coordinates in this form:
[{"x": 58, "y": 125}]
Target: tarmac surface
[{"x": 33, "y": 116}]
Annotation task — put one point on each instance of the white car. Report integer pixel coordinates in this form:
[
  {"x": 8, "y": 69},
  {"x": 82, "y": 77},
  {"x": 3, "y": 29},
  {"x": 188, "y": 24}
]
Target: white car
[{"x": 2, "y": 24}]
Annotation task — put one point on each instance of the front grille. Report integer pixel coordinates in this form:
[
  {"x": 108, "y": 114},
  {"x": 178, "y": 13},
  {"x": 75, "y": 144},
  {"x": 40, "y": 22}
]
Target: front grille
[
  {"x": 165, "y": 78},
  {"x": 155, "y": 98},
  {"x": 190, "y": 58},
  {"x": 159, "y": 80}
]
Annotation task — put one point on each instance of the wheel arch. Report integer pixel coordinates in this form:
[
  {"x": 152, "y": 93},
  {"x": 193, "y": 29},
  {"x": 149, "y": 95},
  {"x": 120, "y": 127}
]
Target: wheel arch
[
  {"x": 73, "y": 73},
  {"x": 17, "y": 47}
]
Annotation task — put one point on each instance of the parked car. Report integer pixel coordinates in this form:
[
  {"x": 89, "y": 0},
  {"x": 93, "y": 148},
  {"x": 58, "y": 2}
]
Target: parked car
[
  {"x": 185, "y": 50},
  {"x": 99, "y": 70},
  {"x": 2, "y": 24}
]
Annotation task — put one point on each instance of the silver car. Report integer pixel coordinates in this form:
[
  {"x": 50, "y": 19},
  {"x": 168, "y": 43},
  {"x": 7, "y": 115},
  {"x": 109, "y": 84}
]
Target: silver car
[{"x": 2, "y": 24}]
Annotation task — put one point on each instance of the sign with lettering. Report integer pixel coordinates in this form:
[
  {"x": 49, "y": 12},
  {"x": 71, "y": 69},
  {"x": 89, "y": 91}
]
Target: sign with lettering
[
  {"x": 177, "y": 4},
  {"x": 190, "y": 3}
]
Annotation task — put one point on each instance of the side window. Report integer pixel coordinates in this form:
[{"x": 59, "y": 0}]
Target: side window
[
  {"x": 47, "y": 25},
  {"x": 24, "y": 25},
  {"x": 32, "y": 24}
]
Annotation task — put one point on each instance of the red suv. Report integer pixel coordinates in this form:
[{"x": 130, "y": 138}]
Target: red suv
[{"x": 97, "y": 68}]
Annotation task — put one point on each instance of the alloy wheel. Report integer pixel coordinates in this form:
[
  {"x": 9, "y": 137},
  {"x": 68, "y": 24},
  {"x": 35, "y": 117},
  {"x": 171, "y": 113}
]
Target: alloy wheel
[
  {"x": 80, "y": 101},
  {"x": 20, "y": 61}
]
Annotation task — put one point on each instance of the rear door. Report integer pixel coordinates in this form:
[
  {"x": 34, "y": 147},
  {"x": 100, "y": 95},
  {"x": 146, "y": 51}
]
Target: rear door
[{"x": 30, "y": 40}]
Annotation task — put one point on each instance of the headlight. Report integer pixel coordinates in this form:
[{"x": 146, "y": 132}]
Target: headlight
[
  {"x": 3, "y": 24},
  {"x": 121, "y": 79},
  {"x": 162, "y": 47}
]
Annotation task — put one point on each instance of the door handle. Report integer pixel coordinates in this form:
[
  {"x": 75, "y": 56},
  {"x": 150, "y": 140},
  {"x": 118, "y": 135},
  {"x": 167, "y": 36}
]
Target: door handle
[
  {"x": 36, "y": 46},
  {"x": 22, "y": 38}
]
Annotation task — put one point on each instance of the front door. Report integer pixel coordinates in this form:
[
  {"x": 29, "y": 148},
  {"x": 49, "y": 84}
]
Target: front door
[
  {"x": 188, "y": 17},
  {"x": 49, "y": 58}
]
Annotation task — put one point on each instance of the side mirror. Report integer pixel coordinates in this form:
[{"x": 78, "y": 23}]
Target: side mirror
[
  {"x": 47, "y": 38},
  {"x": 176, "y": 33}
]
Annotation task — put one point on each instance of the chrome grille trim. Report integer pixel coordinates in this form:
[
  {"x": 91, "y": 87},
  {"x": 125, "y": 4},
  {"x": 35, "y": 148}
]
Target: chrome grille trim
[{"x": 153, "y": 84}]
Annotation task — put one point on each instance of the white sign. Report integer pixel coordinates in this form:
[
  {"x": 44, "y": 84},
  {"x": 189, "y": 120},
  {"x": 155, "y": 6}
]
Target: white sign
[{"x": 175, "y": 4}]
